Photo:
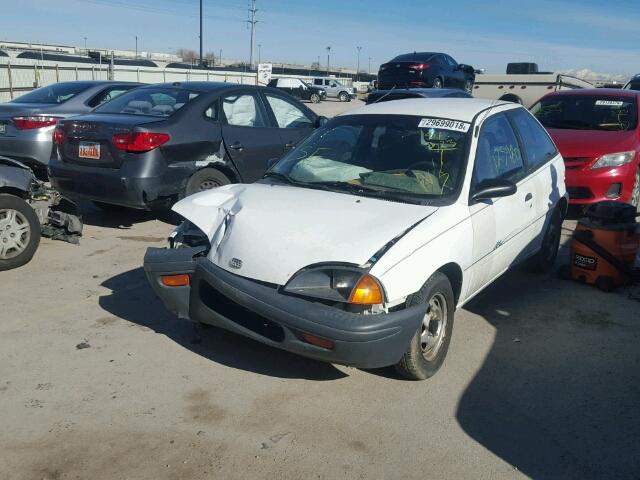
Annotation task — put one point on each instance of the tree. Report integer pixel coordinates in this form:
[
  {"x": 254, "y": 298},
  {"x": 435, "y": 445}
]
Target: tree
[
  {"x": 315, "y": 66},
  {"x": 210, "y": 57},
  {"x": 187, "y": 55}
]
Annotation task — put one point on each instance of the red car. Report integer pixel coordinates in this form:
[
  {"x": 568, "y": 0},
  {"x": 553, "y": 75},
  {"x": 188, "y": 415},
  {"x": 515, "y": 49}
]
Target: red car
[{"x": 598, "y": 135}]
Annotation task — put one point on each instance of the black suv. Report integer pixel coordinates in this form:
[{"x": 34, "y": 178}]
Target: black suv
[
  {"x": 299, "y": 89},
  {"x": 425, "y": 69}
]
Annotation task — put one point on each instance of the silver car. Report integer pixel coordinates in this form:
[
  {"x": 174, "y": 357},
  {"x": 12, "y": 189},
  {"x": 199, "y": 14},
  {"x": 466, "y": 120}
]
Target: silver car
[
  {"x": 335, "y": 89},
  {"x": 27, "y": 122}
]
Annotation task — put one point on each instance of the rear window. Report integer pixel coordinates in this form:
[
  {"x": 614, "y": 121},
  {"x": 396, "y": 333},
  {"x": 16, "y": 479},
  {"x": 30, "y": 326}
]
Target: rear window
[
  {"x": 159, "y": 102},
  {"x": 587, "y": 112},
  {"x": 57, "y": 93},
  {"x": 411, "y": 57}
]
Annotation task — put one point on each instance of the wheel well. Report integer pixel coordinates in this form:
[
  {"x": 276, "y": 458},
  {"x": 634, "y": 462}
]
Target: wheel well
[
  {"x": 14, "y": 191},
  {"x": 510, "y": 97},
  {"x": 564, "y": 206},
  {"x": 227, "y": 170},
  {"x": 454, "y": 274}
]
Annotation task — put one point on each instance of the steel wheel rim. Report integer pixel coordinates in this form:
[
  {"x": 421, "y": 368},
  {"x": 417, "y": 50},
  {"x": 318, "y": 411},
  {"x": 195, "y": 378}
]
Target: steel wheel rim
[
  {"x": 635, "y": 194},
  {"x": 15, "y": 233},
  {"x": 434, "y": 327},
  {"x": 208, "y": 185}
]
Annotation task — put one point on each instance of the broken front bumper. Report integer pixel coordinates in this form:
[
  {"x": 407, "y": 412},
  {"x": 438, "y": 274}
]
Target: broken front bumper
[{"x": 261, "y": 312}]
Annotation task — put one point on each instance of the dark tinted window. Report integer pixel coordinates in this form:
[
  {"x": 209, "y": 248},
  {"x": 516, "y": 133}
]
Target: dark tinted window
[
  {"x": 109, "y": 94},
  {"x": 536, "y": 142},
  {"x": 450, "y": 61},
  {"x": 411, "y": 57},
  {"x": 156, "y": 101},
  {"x": 633, "y": 84},
  {"x": 587, "y": 112},
  {"x": 498, "y": 153},
  {"x": 56, "y": 93}
]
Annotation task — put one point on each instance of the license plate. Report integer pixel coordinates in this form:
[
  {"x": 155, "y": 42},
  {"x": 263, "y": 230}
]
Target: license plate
[
  {"x": 89, "y": 150},
  {"x": 3, "y": 128}
]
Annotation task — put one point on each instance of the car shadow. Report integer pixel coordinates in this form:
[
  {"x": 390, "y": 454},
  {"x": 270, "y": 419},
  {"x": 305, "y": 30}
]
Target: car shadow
[
  {"x": 558, "y": 395},
  {"x": 122, "y": 218},
  {"x": 132, "y": 299}
]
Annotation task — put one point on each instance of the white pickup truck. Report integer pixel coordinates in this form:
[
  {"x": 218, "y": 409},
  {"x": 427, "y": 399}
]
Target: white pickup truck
[{"x": 525, "y": 89}]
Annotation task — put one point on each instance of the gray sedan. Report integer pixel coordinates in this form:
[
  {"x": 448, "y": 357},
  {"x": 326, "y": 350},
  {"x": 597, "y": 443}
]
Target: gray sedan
[{"x": 27, "y": 122}]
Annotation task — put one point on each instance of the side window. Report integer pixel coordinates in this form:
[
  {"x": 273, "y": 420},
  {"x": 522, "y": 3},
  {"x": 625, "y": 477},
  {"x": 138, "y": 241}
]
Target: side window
[
  {"x": 242, "y": 110},
  {"x": 536, "y": 142},
  {"x": 107, "y": 94},
  {"x": 450, "y": 61},
  {"x": 317, "y": 81},
  {"x": 287, "y": 114},
  {"x": 212, "y": 111},
  {"x": 498, "y": 153}
]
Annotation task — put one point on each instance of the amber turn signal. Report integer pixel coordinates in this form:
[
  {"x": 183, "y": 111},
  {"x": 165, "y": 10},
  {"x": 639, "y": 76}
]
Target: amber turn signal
[
  {"x": 318, "y": 341},
  {"x": 367, "y": 292},
  {"x": 179, "y": 280}
]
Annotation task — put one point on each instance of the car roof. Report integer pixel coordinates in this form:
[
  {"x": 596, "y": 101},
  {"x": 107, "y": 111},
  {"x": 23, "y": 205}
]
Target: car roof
[
  {"x": 101, "y": 82},
  {"x": 426, "y": 92},
  {"x": 463, "y": 109},
  {"x": 200, "y": 86},
  {"x": 603, "y": 92}
]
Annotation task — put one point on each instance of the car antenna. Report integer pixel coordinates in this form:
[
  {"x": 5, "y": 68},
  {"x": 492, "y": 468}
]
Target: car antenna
[{"x": 383, "y": 96}]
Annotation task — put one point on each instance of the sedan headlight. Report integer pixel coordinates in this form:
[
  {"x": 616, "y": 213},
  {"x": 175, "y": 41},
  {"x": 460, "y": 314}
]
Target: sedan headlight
[
  {"x": 337, "y": 284},
  {"x": 614, "y": 159}
]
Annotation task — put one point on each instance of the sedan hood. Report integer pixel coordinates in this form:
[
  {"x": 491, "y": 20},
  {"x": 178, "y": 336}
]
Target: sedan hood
[
  {"x": 592, "y": 143},
  {"x": 276, "y": 230}
]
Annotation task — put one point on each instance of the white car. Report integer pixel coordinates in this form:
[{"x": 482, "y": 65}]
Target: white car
[{"x": 358, "y": 246}]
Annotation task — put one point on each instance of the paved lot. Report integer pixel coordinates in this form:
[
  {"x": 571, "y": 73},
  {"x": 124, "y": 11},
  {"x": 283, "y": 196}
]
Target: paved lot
[{"x": 542, "y": 380}]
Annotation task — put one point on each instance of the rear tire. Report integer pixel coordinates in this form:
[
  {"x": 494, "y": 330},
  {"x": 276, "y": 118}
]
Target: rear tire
[
  {"x": 315, "y": 98},
  {"x": 343, "y": 97},
  {"x": 437, "y": 83},
  {"x": 206, "y": 179},
  {"x": 429, "y": 345},
  {"x": 543, "y": 261},
  {"x": 19, "y": 232}
]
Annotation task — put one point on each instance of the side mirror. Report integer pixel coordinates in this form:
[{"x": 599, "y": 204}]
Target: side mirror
[
  {"x": 321, "y": 121},
  {"x": 493, "y": 188},
  {"x": 271, "y": 162}
]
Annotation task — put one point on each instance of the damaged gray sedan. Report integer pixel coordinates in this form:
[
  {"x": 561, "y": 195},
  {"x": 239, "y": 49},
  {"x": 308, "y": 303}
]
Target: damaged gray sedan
[{"x": 30, "y": 209}]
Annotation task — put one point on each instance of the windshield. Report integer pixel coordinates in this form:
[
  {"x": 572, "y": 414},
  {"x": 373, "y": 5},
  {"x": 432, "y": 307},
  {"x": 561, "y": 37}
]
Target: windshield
[
  {"x": 587, "y": 112},
  {"x": 56, "y": 93},
  {"x": 156, "y": 101},
  {"x": 402, "y": 157}
]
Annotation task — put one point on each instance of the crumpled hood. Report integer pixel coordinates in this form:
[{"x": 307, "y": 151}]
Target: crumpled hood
[{"x": 276, "y": 230}]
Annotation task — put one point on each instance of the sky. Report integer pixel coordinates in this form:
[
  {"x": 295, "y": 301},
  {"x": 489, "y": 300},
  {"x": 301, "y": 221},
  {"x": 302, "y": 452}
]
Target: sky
[{"x": 558, "y": 35}]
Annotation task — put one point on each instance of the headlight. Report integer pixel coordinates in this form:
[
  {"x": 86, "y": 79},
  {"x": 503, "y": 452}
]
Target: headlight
[
  {"x": 614, "y": 159},
  {"x": 337, "y": 284}
]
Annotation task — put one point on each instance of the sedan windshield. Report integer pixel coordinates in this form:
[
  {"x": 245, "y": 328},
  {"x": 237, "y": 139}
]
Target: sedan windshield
[
  {"x": 156, "y": 101},
  {"x": 402, "y": 157},
  {"x": 587, "y": 112},
  {"x": 56, "y": 93}
]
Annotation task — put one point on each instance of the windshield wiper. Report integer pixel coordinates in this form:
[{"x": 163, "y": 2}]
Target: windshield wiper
[
  {"x": 280, "y": 176},
  {"x": 401, "y": 195}
]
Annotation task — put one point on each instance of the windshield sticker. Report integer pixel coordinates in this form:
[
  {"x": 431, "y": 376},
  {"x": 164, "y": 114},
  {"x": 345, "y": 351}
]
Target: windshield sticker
[
  {"x": 444, "y": 124},
  {"x": 609, "y": 103}
]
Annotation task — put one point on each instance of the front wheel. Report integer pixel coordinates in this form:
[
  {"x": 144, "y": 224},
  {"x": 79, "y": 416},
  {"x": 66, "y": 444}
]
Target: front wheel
[
  {"x": 315, "y": 98},
  {"x": 635, "y": 193},
  {"x": 468, "y": 86},
  {"x": 429, "y": 345},
  {"x": 19, "y": 232},
  {"x": 343, "y": 97}
]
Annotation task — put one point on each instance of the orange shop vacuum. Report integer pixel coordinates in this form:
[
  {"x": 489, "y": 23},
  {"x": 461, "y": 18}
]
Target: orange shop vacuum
[{"x": 605, "y": 244}]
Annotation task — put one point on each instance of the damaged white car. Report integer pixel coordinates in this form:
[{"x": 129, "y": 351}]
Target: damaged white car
[{"x": 359, "y": 245}]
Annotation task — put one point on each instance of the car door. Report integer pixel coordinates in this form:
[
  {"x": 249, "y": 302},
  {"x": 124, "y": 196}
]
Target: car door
[
  {"x": 295, "y": 123},
  {"x": 499, "y": 225},
  {"x": 250, "y": 137},
  {"x": 545, "y": 168},
  {"x": 456, "y": 75}
]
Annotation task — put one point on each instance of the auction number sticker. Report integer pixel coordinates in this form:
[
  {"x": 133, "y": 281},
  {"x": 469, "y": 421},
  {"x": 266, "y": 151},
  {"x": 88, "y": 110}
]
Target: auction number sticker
[
  {"x": 444, "y": 124},
  {"x": 609, "y": 103}
]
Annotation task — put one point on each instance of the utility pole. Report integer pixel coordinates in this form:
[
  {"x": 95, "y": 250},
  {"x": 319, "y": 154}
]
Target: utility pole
[
  {"x": 201, "y": 33},
  {"x": 259, "y": 53},
  {"x": 328, "y": 60},
  {"x": 369, "y": 66},
  {"x": 358, "y": 68},
  {"x": 136, "y": 46},
  {"x": 220, "y": 57},
  {"x": 252, "y": 21},
  {"x": 85, "y": 44}
]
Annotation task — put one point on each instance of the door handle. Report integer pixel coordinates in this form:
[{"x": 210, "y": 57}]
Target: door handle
[
  {"x": 528, "y": 197},
  {"x": 237, "y": 146},
  {"x": 289, "y": 145}
]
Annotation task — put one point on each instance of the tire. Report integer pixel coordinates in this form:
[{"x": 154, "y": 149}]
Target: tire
[
  {"x": 343, "y": 97},
  {"x": 543, "y": 261},
  {"x": 315, "y": 98},
  {"x": 426, "y": 352},
  {"x": 437, "y": 83},
  {"x": 19, "y": 232},
  {"x": 511, "y": 98},
  {"x": 206, "y": 179},
  {"x": 468, "y": 86},
  {"x": 635, "y": 193}
]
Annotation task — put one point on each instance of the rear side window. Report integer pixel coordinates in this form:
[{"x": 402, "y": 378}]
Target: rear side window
[
  {"x": 536, "y": 142},
  {"x": 156, "y": 101},
  {"x": 498, "y": 153},
  {"x": 57, "y": 93}
]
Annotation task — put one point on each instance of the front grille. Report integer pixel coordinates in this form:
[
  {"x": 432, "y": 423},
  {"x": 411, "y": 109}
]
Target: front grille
[
  {"x": 239, "y": 314},
  {"x": 572, "y": 163},
  {"x": 579, "y": 193}
]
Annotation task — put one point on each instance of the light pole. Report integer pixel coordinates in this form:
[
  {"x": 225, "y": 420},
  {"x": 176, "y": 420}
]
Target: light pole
[
  {"x": 220, "y": 57},
  {"x": 85, "y": 44},
  {"x": 369, "y": 66},
  {"x": 358, "y": 68},
  {"x": 136, "y": 46},
  {"x": 201, "y": 32},
  {"x": 328, "y": 60},
  {"x": 259, "y": 53}
]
